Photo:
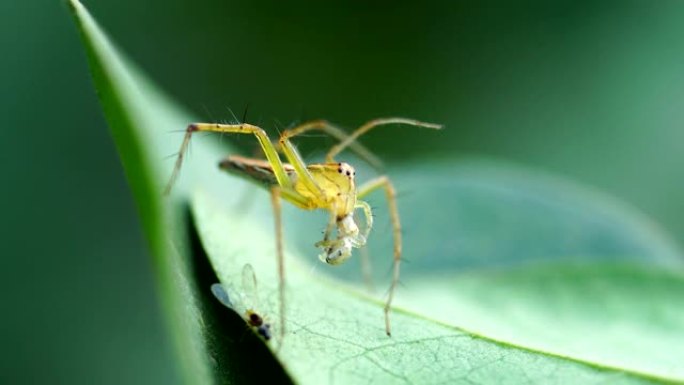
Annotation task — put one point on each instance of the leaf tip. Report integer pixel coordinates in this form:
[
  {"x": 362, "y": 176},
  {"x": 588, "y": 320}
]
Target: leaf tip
[{"x": 75, "y": 5}]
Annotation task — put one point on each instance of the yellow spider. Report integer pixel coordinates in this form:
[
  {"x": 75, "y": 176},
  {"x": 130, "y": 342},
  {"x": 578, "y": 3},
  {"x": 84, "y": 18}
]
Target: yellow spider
[{"x": 329, "y": 186}]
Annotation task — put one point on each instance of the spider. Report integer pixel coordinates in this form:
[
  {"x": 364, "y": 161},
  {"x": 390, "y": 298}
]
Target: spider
[{"x": 329, "y": 186}]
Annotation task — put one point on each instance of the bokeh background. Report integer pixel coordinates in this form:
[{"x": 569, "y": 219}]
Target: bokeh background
[{"x": 592, "y": 91}]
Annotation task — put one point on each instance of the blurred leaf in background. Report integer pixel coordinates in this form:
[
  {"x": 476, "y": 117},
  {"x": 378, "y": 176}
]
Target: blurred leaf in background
[{"x": 589, "y": 90}]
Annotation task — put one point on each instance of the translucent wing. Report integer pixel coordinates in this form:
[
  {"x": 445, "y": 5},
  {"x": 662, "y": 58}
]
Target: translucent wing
[
  {"x": 249, "y": 287},
  {"x": 229, "y": 297},
  {"x": 221, "y": 295}
]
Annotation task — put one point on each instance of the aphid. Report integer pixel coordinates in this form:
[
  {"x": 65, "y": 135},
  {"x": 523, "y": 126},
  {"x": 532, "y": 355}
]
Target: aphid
[
  {"x": 328, "y": 186},
  {"x": 246, "y": 302}
]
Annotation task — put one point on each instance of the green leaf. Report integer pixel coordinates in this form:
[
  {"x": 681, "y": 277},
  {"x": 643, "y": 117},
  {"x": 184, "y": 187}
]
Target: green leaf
[
  {"x": 614, "y": 315},
  {"x": 141, "y": 119},
  {"x": 482, "y": 318},
  {"x": 513, "y": 277}
]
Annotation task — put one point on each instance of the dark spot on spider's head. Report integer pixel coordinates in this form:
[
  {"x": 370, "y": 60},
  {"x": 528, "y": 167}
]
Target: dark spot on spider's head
[
  {"x": 348, "y": 173},
  {"x": 339, "y": 170}
]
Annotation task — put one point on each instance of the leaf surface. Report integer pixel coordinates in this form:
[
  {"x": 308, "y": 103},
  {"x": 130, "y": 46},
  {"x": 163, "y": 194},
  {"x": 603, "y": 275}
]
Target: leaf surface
[{"x": 557, "y": 251}]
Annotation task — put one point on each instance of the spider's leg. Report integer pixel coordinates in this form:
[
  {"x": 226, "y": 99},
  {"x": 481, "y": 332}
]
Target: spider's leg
[
  {"x": 275, "y": 201},
  {"x": 367, "y": 213},
  {"x": 298, "y": 200},
  {"x": 367, "y": 127},
  {"x": 264, "y": 141},
  {"x": 337, "y": 133},
  {"x": 300, "y": 169},
  {"x": 391, "y": 195},
  {"x": 305, "y": 178},
  {"x": 332, "y": 221}
]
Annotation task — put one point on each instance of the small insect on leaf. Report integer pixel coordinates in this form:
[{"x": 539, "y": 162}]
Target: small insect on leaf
[{"x": 244, "y": 302}]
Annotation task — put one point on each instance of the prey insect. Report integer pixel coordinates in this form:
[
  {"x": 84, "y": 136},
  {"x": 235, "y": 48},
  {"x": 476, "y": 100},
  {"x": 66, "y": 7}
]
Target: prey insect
[
  {"x": 329, "y": 186},
  {"x": 245, "y": 303}
]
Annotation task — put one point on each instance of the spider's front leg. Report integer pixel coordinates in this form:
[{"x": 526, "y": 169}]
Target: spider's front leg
[
  {"x": 282, "y": 188},
  {"x": 277, "y": 218},
  {"x": 337, "y": 133},
  {"x": 278, "y": 193},
  {"x": 244, "y": 128}
]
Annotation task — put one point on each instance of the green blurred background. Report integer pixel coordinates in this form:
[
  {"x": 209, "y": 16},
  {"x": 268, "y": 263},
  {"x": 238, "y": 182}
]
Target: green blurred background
[{"x": 593, "y": 91}]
